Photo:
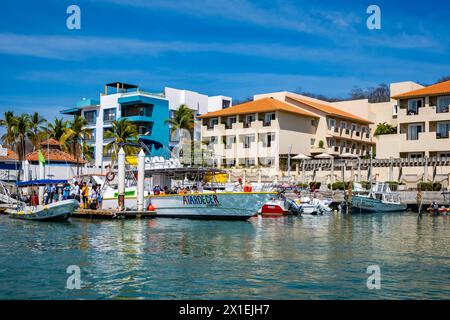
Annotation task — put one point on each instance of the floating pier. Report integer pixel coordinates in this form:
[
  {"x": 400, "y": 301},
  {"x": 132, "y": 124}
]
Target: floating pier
[{"x": 112, "y": 214}]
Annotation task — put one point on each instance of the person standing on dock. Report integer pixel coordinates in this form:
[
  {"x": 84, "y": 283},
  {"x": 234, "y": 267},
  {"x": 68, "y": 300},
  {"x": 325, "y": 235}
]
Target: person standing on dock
[
  {"x": 93, "y": 198},
  {"x": 52, "y": 193},
  {"x": 76, "y": 191},
  {"x": 85, "y": 195},
  {"x": 99, "y": 197},
  {"x": 34, "y": 199},
  {"x": 66, "y": 191}
]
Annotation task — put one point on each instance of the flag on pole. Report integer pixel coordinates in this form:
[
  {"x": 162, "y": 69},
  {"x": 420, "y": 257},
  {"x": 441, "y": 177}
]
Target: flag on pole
[{"x": 41, "y": 158}]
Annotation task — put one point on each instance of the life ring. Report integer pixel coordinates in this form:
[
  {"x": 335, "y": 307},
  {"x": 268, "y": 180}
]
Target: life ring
[{"x": 110, "y": 176}]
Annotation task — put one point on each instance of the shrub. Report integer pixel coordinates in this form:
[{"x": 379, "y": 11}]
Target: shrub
[
  {"x": 315, "y": 184},
  {"x": 321, "y": 144},
  {"x": 393, "y": 185},
  {"x": 310, "y": 185},
  {"x": 340, "y": 185},
  {"x": 429, "y": 186}
]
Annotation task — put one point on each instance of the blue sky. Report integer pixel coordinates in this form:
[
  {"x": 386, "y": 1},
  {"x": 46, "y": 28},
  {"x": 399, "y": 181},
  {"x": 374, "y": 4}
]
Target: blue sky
[{"x": 232, "y": 47}]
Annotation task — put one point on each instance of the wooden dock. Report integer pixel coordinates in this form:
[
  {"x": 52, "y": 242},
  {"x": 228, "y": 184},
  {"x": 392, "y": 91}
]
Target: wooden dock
[{"x": 112, "y": 214}]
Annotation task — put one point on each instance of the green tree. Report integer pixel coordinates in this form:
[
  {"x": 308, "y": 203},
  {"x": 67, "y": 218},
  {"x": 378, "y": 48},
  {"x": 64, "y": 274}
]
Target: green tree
[
  {"x": 35, "y": 133},
  {"x": 74, "y": 137},
  {"x": 57, "y": 129},
  {"x": 385, "y": 128},
  {"x": 122, "y": 131},
  {"x": 21, "y": 129},
  {"x": 8, "y": 138},
  {"x": 183, "y": 119}
]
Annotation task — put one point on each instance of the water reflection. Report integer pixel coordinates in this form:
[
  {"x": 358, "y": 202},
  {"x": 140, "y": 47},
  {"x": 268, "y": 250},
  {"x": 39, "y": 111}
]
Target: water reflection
[{"x": 287, "y": 258}]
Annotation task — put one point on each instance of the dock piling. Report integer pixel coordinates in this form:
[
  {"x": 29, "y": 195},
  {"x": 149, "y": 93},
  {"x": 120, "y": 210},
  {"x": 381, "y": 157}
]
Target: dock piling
[
  {"x": 140, "y": 180},
  {"x": 121, "y": 179}
]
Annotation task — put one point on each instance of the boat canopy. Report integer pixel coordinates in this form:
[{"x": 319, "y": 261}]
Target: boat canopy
[{"x": 39, "y": 182}]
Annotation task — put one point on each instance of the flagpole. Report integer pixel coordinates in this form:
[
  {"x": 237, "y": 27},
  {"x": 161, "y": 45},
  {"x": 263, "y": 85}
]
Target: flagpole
[{"x": 41, "y": 174}]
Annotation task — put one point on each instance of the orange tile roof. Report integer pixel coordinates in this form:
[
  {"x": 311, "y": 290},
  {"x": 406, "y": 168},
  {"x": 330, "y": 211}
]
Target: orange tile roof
[
  {"x": 260, "y": 105},
  {"x": 53, "y": 155},
  {"x": 433, "y": 90},
  {"x": 10, "y": 155},
  {"x": 50, "y": 142},
  {"x": 329, "y": 109}
]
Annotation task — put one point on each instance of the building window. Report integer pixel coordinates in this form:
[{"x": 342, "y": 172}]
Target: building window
[
  {"x": 268, "y": 117},
  {"x": 443, "y": 104},
  {"x": 266, "y": 162},
  {"x": 444, "y": 154},
  {"x": 267, "y": 139},
  {"x": 226, "y": 104},
  {"x": 109, "y": 115},
  {"x": 344, "y": 127},
  {"x": 247, "y": 162},
  {"x": 228, "y": 141},
  {"x": 247, "y": 141},
  {"x": 90, "y": 116},
  {"x": 230, "y": 162},
  {"x": 442, "y": 130},
  {"x": 331, "y": 123},
  {"x": 413, "y": 106},
  {"x": 248, "y": 120},
  {"x": 414, "y": 130},
  {"x": 312, "y": 141},
  {"x": 230, "y": 121},
  {"x": 213, "y": 122},
  {"x": 415, "y": 155},
  {"x": 331, "y": 142},
  {"x": 145, "y": 110},
  {"x": 394, "y": 111}
]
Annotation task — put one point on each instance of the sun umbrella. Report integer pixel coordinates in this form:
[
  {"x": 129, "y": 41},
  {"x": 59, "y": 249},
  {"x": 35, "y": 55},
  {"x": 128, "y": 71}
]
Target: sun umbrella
[
  {"x": 301, "y": 156},
  {"x": 348, "y": 155},
  {"x": 324, "y": 156}
]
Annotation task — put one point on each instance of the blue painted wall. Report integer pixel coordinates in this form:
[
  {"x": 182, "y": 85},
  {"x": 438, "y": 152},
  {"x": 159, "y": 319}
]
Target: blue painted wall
[{"x": 160, "y": 114}]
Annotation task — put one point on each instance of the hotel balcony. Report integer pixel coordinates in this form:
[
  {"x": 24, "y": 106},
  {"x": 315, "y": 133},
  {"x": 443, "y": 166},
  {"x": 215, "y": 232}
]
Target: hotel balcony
[
  {"x": 238, "y": 128},
  {"x": 238, "y": 150},
  {"x": 423, "y": 115},
  {"x": 349, "y": 134},
  {"x": 424, "y": 141}
]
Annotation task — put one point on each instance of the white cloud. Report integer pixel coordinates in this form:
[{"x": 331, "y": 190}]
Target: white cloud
[{"x": 339, "y": 27}]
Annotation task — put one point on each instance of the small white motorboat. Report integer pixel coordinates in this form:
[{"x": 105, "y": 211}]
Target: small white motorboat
[
  {"x": 56, "y": 211},
  {"x": 313, "y": 206}
]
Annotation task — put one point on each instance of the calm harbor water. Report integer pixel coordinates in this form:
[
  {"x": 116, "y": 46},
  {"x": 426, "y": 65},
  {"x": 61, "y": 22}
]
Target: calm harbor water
[{"x": 280, "y": 258}]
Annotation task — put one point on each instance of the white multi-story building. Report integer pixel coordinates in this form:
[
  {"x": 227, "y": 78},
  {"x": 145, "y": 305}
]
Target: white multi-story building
[
  {"x": 197, "y": 102},
  {"x": 148, "y": 111}
]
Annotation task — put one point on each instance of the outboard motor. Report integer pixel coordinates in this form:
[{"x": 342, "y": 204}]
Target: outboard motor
[{"x": 294, "y": 208}]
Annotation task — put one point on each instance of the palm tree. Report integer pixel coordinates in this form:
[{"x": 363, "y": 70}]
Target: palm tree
[
  {"x": 8, "y": 138},
  {"x": 74, "y": 137},
  {"x": 183, "y": 119},
  {"x": 57, "y": 129},
  {"x": 122, "y": 131},
  {"x": 35, "y": 134},
  {"x": 20, "y": 129}
]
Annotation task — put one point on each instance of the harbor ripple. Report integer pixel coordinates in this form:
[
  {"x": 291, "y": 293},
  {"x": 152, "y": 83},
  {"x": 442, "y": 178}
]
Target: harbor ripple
[{"x": 281, "y": 258}]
